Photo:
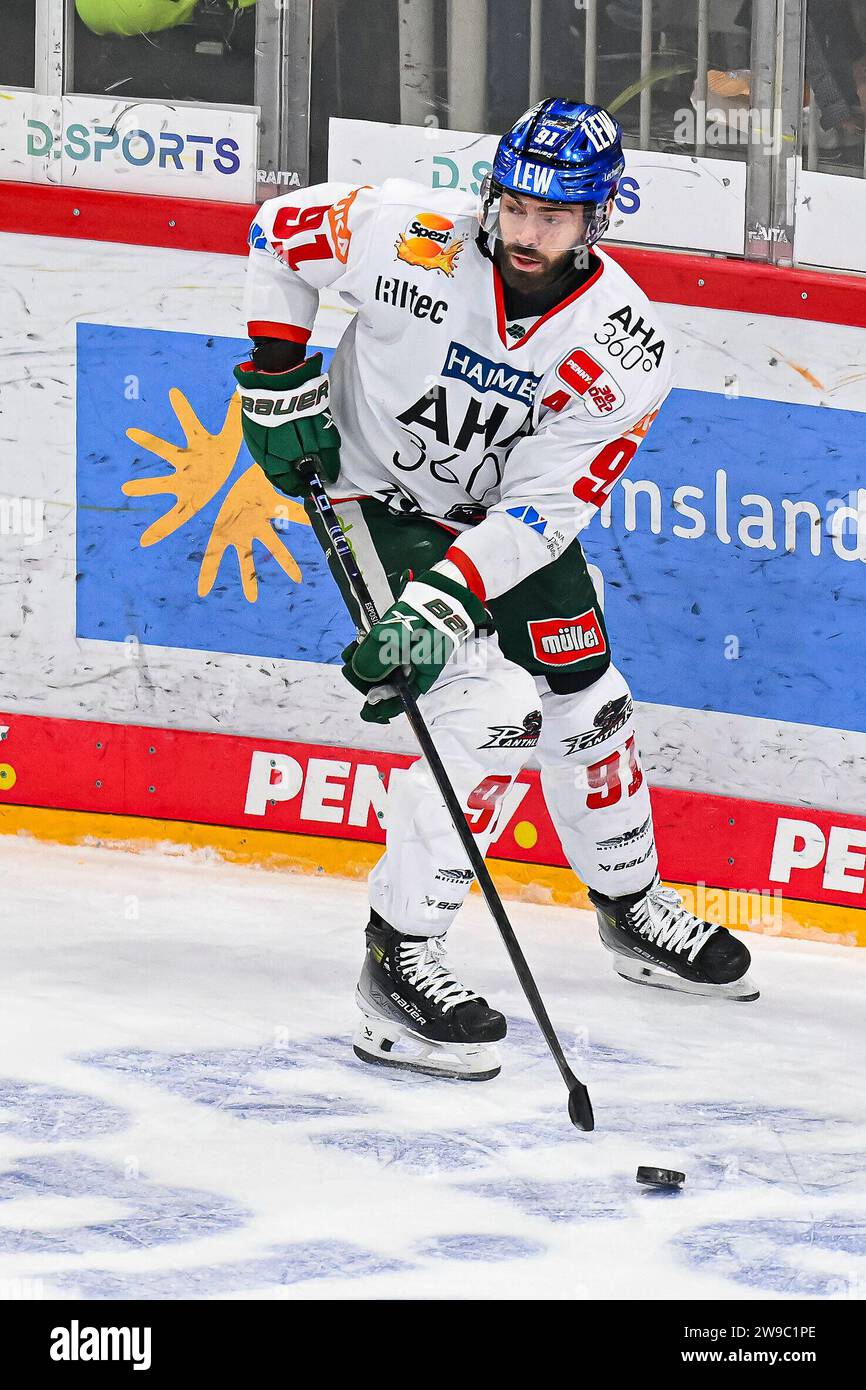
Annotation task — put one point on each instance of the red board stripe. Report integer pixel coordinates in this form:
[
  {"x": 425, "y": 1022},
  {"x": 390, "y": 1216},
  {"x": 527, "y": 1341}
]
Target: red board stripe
[
  {"x": 190, "y": 224},
  {"x": 307, "y": 789},
  {"x": 193, "y": 224},
  {"x": 670, "y": 278}
]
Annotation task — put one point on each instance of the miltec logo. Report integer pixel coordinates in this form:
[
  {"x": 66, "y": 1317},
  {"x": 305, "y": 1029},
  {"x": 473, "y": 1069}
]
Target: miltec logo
[
  {"x": 532, "y": 178},
  {"x": 484, "y": 375}
]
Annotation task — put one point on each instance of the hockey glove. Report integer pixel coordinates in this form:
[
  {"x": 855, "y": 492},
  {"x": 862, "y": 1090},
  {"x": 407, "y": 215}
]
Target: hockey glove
[
  {"x": 285, "y": 415},
  {"x": 419, "y": 633}
]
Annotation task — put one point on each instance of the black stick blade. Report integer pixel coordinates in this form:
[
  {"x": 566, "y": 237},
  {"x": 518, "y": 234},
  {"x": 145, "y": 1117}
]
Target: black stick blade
[{"x": 580, "y": 1107}]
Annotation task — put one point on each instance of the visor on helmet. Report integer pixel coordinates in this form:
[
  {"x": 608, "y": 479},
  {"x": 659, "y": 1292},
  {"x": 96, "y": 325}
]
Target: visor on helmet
[{"x": 596, "y": 217}]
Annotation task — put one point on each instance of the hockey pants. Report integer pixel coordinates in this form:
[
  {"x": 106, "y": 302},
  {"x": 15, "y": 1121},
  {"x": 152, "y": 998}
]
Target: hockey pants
[
  {"x": 483, "y": 713},
  {"x": 590, "y": 772}
]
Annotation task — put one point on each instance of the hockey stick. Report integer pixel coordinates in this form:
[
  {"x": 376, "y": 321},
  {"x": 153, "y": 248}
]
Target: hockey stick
[{"x": 579, "y": 1105}]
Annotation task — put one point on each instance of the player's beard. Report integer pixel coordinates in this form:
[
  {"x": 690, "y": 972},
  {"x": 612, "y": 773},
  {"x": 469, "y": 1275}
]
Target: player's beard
[{"x": 549, "y": 268}]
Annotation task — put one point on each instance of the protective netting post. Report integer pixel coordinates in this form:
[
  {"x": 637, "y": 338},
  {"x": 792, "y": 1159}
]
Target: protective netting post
[
  {"x": 415, "y": 20},
  {"x": 702, "y": 64},
  {"x": 467, "y": 64},
  {"x": 646, "y": 57}
]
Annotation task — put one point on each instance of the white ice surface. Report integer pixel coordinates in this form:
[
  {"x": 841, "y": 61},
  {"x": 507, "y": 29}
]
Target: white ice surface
[{"x": 181, "y": 1114}]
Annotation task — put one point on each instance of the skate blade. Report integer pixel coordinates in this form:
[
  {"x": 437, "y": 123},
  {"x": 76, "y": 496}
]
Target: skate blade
[
  {"x": 386, "y": 1044},
  {"x": 639, "y": 973}
]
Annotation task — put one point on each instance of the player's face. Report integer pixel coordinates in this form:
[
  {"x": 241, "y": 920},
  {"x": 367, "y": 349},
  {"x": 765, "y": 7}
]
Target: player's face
[{"x": 537, "y": 240}]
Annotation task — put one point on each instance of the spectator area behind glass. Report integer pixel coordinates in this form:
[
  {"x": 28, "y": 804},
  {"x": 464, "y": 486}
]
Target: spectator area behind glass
[
  {"x": 173, "y": 50},
  {"x": 835, "y": 87},
  {"x": 649, "y": 81},
  {"x": 648, "y": 63},
  {"x": 18, "y": 49}
]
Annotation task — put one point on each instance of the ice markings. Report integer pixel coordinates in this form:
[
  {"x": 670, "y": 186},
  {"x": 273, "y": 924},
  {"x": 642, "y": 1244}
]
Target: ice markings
[
  {"x": 285, "y": 1265},
  {"x": 579, "y": 1199},
  {"x": 552, "y": 1127},
  {"x": 798, "y": 1172},
  {"x": 523, "y": 1034},
  {"x": 219, "y": 1078},
  {"x": 444, "y": 1150},
  {"x": 780, "y": 1256},
  {"x": 157, "y": 1215},
  {"x": 687, "y": 1123},
  {"x": 291, "y": 1264},
  {"x": 414, "y": 1152},
  {"x": 47, "y": 1114},
  {"x": 480, "y": 1247}
]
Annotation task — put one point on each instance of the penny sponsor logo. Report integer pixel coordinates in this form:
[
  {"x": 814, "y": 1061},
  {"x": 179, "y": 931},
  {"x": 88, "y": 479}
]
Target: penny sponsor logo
[
  {"x": 838, "y": 854},
  {"x": 600, "y": 392}
]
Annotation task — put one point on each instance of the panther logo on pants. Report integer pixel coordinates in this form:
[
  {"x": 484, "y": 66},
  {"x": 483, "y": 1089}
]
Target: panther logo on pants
[
  {"x": 610, "y": 719},
  {"x": 510, "y": 736}
]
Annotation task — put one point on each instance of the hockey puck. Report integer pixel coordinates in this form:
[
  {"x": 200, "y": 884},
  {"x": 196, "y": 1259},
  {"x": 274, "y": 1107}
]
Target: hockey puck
[{"x": 660, "y": 1177}]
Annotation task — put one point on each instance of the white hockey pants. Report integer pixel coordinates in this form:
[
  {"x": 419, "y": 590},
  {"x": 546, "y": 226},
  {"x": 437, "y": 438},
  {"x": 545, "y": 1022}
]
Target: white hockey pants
[{"x": 480, "y": 715}]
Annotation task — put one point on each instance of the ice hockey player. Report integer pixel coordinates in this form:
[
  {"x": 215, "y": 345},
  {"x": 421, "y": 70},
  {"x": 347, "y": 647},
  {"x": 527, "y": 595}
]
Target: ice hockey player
[{"x": 496, "y": 380}]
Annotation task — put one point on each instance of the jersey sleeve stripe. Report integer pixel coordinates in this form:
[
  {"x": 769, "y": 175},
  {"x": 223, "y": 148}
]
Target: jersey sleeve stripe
[
  {"x": 261, "y": 328},
  {"x": 473, "y": 579}
]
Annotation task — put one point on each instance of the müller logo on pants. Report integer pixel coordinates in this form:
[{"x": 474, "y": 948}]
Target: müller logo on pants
[{"x": 564, "y": 641}]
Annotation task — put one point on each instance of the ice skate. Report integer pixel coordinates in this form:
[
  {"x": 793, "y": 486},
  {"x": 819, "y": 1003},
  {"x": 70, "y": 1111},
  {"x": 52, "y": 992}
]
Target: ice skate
[
  {"x": 416, "y": 1015},
  {"x": 655, "y": 940}
]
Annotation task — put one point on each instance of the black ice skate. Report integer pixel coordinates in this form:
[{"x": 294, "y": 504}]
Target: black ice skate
[
  {"x": 656, "y": 941},
  {"x": 416, "y": 1015}
]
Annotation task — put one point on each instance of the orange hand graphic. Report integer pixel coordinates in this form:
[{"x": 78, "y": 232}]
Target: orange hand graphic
[
  {"x": 200, "y": 467},
  {"x": 250, "y": 506}
]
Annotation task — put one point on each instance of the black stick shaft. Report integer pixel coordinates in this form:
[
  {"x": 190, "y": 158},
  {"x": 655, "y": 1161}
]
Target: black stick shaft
[{"x": 580, "y": 1108}]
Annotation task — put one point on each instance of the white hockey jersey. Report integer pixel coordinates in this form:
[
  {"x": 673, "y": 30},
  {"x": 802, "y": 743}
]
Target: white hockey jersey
[{"x": 511, "y": 434}]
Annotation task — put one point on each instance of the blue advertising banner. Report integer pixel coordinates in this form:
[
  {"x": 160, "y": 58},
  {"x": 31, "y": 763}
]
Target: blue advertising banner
[
  {"x": 182, "y": 541},
  {"x": 735, "y": 560},
  {"x": 733, "y": 551}
]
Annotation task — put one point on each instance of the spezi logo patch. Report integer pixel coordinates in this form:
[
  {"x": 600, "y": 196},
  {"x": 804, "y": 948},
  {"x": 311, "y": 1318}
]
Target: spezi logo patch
[{"x": 428, "y": 243}]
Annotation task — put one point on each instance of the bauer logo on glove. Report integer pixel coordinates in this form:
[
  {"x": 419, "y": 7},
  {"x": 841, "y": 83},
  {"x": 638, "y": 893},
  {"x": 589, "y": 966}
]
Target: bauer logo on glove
[
  {"x": 286, "y": 416},
  {"x": 275, "y": 407}
]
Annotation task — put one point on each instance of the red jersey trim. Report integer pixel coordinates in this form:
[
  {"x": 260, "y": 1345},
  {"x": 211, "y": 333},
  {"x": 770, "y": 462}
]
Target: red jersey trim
[
  {"x": 564, "y": 304},
  {"x": 474, "y": 582},
  {"x": 289, "y": 332}
]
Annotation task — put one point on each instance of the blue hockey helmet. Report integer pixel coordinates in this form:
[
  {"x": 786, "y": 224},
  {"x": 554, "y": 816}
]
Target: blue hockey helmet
[{"x": 563, "y": 152}]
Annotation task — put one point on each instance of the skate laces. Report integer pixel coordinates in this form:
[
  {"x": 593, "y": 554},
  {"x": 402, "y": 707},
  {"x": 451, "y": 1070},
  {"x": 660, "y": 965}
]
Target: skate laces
[
  {"x": 661, "y": 917},
  {"x": 421, "y": 963}
]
